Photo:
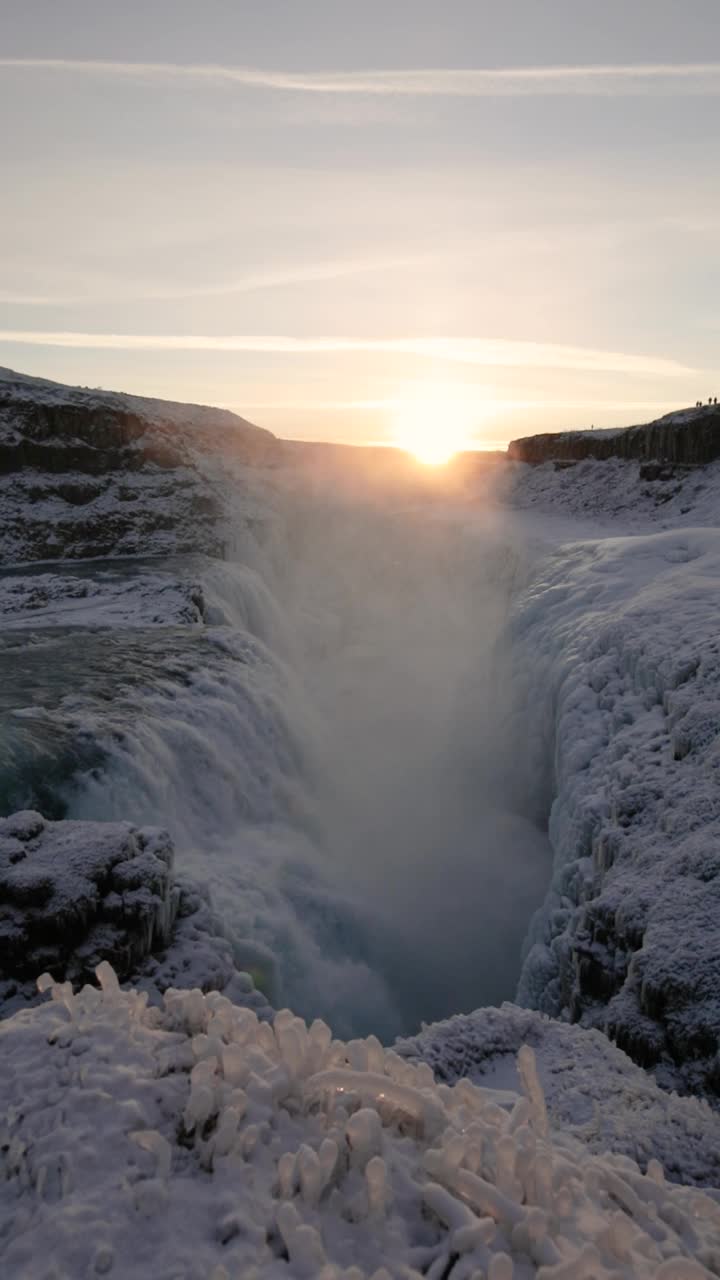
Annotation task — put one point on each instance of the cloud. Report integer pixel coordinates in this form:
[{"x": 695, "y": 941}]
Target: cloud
[
  {"x": 471, "y": 82},
  {"x": 498, "y": 352},
  {"x": 251, "y": 283}
]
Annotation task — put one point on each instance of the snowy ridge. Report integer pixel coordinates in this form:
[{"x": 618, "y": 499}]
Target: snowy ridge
[
  {"x": 86, "y": 473},
  {"x": 154, "y": 412},
  {"x": 231, "y": 1149}
]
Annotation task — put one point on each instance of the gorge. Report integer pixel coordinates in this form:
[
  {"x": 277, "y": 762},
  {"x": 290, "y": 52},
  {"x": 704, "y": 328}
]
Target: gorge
[{"x": 423, "y": 743}]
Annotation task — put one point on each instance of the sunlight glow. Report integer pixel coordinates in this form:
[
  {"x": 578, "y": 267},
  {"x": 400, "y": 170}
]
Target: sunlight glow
[{"x": 434, "y": 422}]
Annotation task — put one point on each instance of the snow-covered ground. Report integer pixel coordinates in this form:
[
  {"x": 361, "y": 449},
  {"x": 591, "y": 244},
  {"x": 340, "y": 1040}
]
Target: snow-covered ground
[{"x": 193, "y": 1141}]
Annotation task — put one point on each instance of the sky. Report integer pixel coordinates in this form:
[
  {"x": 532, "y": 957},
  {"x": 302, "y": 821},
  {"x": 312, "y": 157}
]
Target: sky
[{"x": 491, "y": 217}]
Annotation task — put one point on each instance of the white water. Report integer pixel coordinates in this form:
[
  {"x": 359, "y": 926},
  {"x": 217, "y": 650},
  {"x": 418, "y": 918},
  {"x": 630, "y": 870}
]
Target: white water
[{"x": 340, "y": 771}]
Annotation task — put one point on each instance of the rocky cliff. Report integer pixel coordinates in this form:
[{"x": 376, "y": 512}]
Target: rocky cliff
[
  {"x": 688, "y": 437},
  {"x": 87, "y": 473}
]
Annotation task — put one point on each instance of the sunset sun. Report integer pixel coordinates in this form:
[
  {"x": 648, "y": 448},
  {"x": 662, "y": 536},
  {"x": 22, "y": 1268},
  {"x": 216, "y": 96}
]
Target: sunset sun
[{"x": 434, "y": 423}]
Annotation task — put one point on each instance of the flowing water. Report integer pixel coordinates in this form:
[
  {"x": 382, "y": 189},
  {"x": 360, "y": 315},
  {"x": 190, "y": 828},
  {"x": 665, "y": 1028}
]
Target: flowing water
[{"x": 332, "y": 753}]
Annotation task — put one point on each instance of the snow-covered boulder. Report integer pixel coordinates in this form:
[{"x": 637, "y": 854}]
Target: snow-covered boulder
[
  {"x": 73, "y": 894},
  {"x": 193, "y": 1141}
]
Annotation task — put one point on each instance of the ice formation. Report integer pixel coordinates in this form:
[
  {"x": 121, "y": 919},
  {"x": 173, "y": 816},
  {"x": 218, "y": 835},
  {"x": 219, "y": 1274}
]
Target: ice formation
[{"x": 193, "y": 1140}]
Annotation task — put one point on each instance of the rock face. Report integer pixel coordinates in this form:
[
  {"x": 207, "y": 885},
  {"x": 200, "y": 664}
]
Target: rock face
[
  {"x": 74, "y": 893},
  {"x": 88, "y": 473},
  {"x": 690, "y": 437}
]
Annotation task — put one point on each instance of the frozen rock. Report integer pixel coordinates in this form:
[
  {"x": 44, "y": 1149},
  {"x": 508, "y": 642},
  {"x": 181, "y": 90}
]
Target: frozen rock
[{"x": 73, "y": 894}]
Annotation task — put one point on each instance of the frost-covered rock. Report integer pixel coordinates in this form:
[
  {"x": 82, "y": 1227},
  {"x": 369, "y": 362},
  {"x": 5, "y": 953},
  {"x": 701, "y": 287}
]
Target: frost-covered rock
[
  {"x": 73, "y": 894},
  {"x": 621, "y": 639},
  {"x": 592, "y": 1089},
  {"x": 194, "y": 1141}
]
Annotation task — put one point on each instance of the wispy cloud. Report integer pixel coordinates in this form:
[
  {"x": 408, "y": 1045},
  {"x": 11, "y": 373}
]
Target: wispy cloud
[
  {"x": 470, "y": 82},
  {"x": 253, "y": 282},
  {"x": 495, "y": 352}
]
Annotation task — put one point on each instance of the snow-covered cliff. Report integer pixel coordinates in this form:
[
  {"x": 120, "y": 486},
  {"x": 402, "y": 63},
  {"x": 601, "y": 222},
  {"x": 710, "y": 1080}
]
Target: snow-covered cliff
[
  {"x": 87, "y": 473},
  {"x": 686, "y": 437}
]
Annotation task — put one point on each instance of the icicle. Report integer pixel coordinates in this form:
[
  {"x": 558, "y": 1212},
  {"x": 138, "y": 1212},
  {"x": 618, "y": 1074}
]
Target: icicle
[
  {"x": 378, "y": 1189},
  {"x": 363, "y": 1134},
  {"x": 532, "y": 1089},
  {"x": 151, "y": 1140},
  {"x": 107, "y": 978}
]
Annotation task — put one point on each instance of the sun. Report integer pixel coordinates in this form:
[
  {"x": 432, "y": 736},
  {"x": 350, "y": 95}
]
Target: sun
[
  {"x": 431, "y": 452},
  {"x": 433, "y": 423}
]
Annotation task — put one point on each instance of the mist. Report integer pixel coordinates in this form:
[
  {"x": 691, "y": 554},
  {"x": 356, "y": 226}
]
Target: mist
[
  {"x": 341, "y": 769},
  {"x": 397, "y": 614}
]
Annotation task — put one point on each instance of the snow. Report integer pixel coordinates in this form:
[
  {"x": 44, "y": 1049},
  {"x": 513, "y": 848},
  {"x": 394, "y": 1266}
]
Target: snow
[
  {"x": 144, "y": 513},
  {"x": 192, "y": 1140},
  {"x": 112, "y": 597},
  {"x": 611, "y": 492},
  {"x": 592, "y": 1089},
  {"x": 73, "y": 893},
  {"x": 90, "y": 473},
  {"x": 156, "y": 413},
  {"x": 618, "y": 715}
]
